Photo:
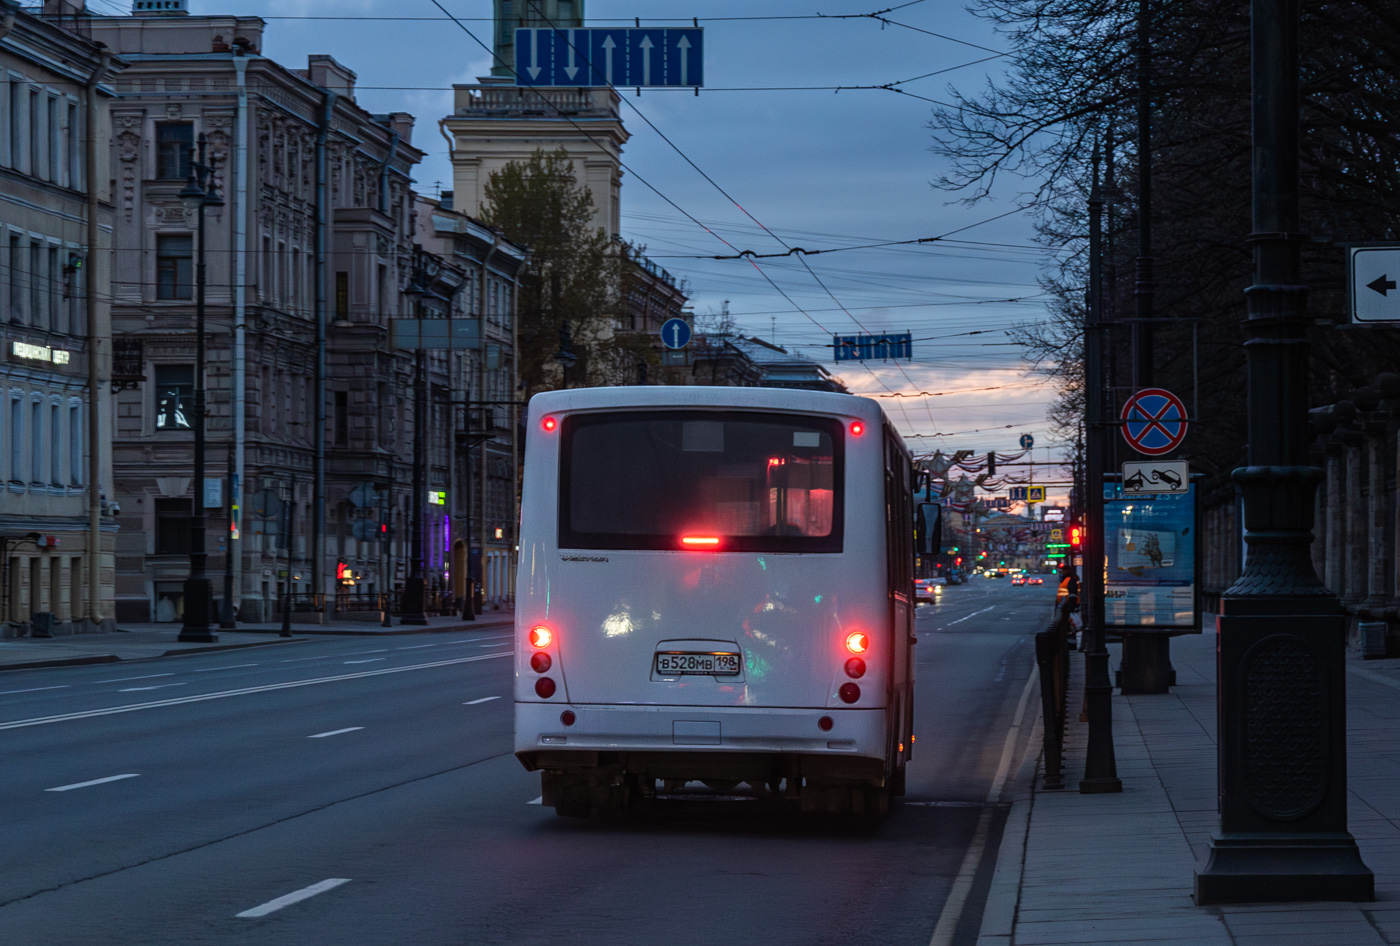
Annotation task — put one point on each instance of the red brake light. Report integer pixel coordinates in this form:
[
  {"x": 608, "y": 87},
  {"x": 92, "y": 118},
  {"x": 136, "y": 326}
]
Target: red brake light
[
  {"x": 540, "y": 662},
  {"x": 700, "y": 541},
  {"x": 857, "y": 428},
  {"x": 855, "y": 668},
  {"x": 857, "y": 643},
  {"x": 849, "y": 692},
  {"x": 549, "y": 424},
  {"x": 544, "y": 688},
  {"x": 541, "y": 636}
]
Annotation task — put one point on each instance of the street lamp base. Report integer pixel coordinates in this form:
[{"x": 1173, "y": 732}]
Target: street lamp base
[
  {"x": 198, "y": 593},
  {"x": 411, "y": 611},
  {"x": 1274, "y": 869}
]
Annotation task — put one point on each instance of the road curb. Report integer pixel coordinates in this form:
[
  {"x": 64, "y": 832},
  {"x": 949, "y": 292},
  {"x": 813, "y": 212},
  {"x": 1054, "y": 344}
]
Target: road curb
[
  {"x": 63, "y": 662},
  {"x": 1004, "y": 894}
]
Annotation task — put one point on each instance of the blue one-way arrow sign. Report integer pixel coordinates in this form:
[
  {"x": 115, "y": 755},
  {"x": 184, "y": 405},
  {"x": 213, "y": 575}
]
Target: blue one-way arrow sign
[{"x": 633, "y": 58}]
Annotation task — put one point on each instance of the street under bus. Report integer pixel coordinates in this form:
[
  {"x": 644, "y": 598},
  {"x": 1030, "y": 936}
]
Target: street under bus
[{"x": 715, "y": 588}]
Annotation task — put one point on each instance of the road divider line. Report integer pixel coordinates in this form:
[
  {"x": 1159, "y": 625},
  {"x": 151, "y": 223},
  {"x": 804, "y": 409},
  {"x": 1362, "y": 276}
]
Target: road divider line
[
  {"x": 149, "y": 676},
  {"x": 961, "y": 890},
  {"x": 296, "y": 896},
  {"x": 62, "y": 686},
  {"x": 96, "y": 781},
  {"x": 336, "y": 732},
  {"x": 158, "y": 686},
  {"x": 501, "y": 644},
  {"x": 969, "y": 617},
  {"x": 229, "y": 667},
  {"x": 245, "y": 691},
  {"x": 484, "y": 699},
  {"x": 369, "y": 661}
]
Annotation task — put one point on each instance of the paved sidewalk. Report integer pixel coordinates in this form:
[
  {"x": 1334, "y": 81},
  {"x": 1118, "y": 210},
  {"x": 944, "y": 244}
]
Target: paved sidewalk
[
  {"x": 1117, "y": 869},
  {"x": 146, "y": 641}
]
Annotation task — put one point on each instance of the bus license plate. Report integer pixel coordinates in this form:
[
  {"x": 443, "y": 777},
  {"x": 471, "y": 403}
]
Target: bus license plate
[{"x": 705, "y": 664}]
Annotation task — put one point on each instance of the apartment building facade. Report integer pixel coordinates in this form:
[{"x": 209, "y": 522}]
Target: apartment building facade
[{"x": 57, "y": 531}]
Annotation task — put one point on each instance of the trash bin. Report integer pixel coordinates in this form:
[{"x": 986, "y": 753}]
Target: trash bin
[{"x": 41, "y": 623}]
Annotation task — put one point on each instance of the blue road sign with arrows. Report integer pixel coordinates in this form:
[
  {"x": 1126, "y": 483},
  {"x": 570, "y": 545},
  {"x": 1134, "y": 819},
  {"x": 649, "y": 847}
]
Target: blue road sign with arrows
[
  {"x": 634, "y": 58},
  {"x": 675, "y": 333}
]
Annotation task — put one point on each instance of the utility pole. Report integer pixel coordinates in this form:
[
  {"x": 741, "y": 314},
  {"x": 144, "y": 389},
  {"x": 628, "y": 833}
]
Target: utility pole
[
  {"x": 1282, "y": 635},
  {"x": 1147, "y": 665},
  {"x": 1100, "y": 764}
]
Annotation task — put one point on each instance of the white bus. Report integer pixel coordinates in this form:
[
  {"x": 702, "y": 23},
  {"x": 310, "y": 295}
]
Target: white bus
[{"x": 715, "y": 585}]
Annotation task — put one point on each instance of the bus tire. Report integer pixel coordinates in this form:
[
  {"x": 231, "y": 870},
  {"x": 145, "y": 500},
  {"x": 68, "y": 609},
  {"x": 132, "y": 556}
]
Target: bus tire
[{"x": 897, "y": 781}]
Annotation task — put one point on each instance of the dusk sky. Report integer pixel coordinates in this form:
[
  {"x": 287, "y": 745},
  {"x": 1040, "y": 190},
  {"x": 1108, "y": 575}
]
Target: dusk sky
[{"x": 790, "y": 152}]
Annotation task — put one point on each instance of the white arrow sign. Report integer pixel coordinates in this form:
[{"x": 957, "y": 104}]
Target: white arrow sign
[
  {"x": 608, "y": 47},
  {"x": 646, "y": 45},
  {"x": 571, "y": 70},
  {"x": 684, "y": 47},
  {"x": 534, "y": 55}
]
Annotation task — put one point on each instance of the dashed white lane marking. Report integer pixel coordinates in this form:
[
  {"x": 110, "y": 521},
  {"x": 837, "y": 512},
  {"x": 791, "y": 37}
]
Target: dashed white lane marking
[
  {"x": 418, "y": 647},
  {"x": 244, "y": 691},
  {"x": 297, "y": 660},
  {"x": 361, "y": 653},
  {"x": 157, "y": 686},
  {"x": 96, "y": 781},
  {"x": 484, "y": 699},
  {"x": 501, "y": 644},
  {"x": 537, "y": 801},
  {"x": 336, "y": 732},
  {"x": 296, "y": 896},
  {"x": 229, "y": 667},
  {"x": 149, "y": 676},
  {"x": 369, "y": 661},
  {"x": 63, "y": 686},
  {"x": 971, "y": 616}
]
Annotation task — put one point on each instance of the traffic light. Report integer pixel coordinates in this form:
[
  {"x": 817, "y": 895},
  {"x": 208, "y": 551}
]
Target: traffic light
[
  {"x": 1076, "y": 538},
  {"x": 991, "y": 463}
]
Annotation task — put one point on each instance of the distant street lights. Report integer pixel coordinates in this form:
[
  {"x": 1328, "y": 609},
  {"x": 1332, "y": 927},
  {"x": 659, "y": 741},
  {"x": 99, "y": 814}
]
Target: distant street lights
[{"x": 199, "y": 193}]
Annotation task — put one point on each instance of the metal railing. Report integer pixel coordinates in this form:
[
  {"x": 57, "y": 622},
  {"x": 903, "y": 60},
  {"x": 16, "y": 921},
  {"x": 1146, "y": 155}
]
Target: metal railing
[{"x": 1052, "y": 657}]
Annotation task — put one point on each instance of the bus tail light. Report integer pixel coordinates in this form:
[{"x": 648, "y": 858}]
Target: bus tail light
[
  {"x": 549, "y": 424},
  {"x": 541, "y": 636},
  {"x": 540, "y": 662},
  {"x": 849, "y": 692},
  {"x": 855, "y": 668},
  {"x": 857, "y": 428},
  {"x": 544, "y": 688},
  {"x": 825, "y": 724},
  {"x": 568, "y": 718},
  {"x": 700, "y": 541},
  {"x": 857, "y": 642}
]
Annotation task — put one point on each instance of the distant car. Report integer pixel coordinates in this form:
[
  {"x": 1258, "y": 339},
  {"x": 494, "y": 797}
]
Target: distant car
[
  {"x": 1018, "y": 579},
  {"x": 1035, "y": 580},
  {"x": 928, "y": 589}
]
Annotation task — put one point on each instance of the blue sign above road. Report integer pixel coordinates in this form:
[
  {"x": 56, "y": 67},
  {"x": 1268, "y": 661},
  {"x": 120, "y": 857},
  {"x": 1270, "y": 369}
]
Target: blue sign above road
[
  {"x": 637, "y": 58},
  {"x": 675, "y": 333}
]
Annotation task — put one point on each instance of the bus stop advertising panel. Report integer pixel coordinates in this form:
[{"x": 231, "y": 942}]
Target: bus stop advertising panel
[{"x": 1150, "y": 580}]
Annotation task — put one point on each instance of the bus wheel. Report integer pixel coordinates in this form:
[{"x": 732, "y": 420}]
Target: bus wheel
[{"x": 897, "y": 781}]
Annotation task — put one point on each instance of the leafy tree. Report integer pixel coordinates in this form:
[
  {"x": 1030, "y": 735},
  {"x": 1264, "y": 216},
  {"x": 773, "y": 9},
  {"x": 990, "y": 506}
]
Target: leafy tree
[
  {"x": 1073, "y": 86},
  {"x": 574, "y": 276}
]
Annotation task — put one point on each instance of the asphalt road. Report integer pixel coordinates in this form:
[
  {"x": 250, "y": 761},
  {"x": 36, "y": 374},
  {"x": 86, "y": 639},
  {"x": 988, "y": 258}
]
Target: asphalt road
[{"x": 363, "y": 792}]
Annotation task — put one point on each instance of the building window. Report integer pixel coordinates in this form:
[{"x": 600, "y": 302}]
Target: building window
[
  {"x": 16, "y": 278},
  {"x": 75, "y": 444},
  {"x": 36, "y": 432},
  {"x": 75, "y": 148},
  {"x": 36, "y": 262},
  {"x": 342, "y": 296},
  {"x": 174, "y": 396},
  {"x": 341, "y": 418},
  {"x": 175, "y": 266},
  {"x": 16, "y": 123},
  {"x": 17, "y": 438},
  {"x": 55, "y": 287},
  {"x": 174, "y": 150},
  {"x": 55, "y": 445},
  {"x": 173, "y": 526},
  {"x": 51, "y": 116}
]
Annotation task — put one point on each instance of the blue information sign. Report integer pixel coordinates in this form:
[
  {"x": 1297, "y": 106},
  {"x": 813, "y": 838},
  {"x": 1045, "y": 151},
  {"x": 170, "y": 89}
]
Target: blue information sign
[
  {"x": 675, "y": 333},
  {"x": 652, "y": 58},
  {"x": 863, "y": 347}
]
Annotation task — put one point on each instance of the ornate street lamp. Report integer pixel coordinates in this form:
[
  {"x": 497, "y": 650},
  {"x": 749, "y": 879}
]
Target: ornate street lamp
[{"x": 199, "y": 193}]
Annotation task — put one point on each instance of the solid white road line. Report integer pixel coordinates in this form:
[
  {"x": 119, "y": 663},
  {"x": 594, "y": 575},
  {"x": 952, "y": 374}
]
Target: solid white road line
[
  {"x": 63, "y": 686},
  {"x": 96, "y": 781},
  {"x": 969, "y": 617},
  {"x": 229, "y": 667},
  {"x": 361, "y": 653},
  {"x": 158, "y": 686},
  {"x": 369, "y": 661},
  {"x": 245, "y": 691},
  {"x": 501, "y": 644},
  {"x": 336, "y": 732},
  {"x": 484, "y": 699},
  {"x": 296, "y": 896},
  {"x": 962, "y": 885}
]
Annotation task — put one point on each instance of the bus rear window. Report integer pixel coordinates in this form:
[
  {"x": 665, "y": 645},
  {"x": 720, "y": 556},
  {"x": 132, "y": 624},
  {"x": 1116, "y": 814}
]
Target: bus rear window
[{"x": 756, "y": 482}]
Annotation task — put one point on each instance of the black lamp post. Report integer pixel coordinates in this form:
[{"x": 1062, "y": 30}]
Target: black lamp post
[
  {"x": 1282, "y": 634},
  {"x": 198, "y": 194},
  {"x": 227, "y": 618}
]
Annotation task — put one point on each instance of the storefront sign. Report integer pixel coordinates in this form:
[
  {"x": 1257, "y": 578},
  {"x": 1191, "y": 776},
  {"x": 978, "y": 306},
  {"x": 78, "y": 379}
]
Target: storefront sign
[{"x": 57, "y": 356}]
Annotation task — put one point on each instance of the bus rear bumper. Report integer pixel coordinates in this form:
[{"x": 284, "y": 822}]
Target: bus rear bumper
[{"x": 683, "y": 742}]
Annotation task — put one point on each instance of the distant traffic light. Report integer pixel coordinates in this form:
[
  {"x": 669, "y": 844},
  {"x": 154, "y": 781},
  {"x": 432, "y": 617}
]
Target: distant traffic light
[
  {"x": 991, "y": 463},
  {"x": 1076, "y": 537}
]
